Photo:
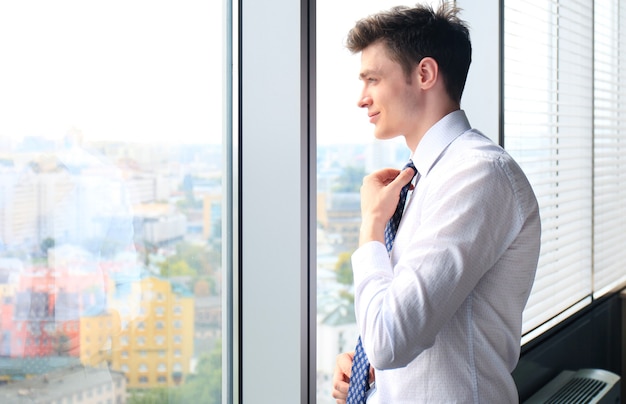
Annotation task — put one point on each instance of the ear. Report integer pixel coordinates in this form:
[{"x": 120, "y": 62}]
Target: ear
[{"x": 427, "y": 73}]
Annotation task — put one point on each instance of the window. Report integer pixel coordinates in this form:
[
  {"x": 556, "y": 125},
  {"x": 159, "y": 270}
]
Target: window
[
  {"x": 547, "y": 127},
  {"x": 609, "y": 140},
  {"x": 346, "y": 151},
  {"x": 113, "y": 155},
  {"x": 562, "y": 120}
]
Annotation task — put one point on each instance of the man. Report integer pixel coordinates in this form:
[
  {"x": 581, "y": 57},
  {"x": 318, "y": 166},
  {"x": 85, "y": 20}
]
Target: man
[{"x": 440, "y": 314}]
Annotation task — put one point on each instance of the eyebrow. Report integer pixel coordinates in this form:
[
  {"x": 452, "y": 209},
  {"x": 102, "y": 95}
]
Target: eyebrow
[{"x": 366, "y": 73}]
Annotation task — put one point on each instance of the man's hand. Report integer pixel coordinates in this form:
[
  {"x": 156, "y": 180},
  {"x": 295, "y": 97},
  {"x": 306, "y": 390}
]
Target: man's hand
[
  {"x": 380, "y": 194},
  {"x": 341, "y": 376}
]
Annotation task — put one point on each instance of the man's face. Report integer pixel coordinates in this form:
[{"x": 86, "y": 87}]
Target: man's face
[{"x": 392, "y": 102}]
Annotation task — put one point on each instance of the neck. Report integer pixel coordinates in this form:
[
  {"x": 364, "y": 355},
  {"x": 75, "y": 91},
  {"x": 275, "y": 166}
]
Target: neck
[{"x": 432, "y": 114}]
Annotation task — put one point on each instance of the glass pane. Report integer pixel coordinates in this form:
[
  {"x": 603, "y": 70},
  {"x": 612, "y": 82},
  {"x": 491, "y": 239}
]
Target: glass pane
[
  {"x": 547, "y": 125},
  {"x": 346, "y": 151},
  {"x": 111, "y": 201},
  {"x": 609, "y": 152}
]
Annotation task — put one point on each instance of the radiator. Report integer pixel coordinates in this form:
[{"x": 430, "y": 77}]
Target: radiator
[{"x": 586, "y": 386}]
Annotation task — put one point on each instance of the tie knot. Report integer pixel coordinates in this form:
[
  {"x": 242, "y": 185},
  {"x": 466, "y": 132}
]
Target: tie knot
[{"x": 410, "y": 165}]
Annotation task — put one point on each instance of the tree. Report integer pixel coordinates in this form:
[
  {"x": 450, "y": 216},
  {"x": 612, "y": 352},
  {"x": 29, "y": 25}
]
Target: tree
[
  {"x": 205, "y": 386},
  {"x": 196, "y": 257},
  {"x": 343, "y": 269},
  {"x": 47, "y": 244},
  {"x": 175, "y": 266},
  {"x": 159, "y": 395},
  {"x": 197, "y": 261}
]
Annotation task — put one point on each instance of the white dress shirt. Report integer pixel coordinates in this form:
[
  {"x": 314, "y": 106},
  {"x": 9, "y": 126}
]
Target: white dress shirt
[{"x": 440, "y": 317}]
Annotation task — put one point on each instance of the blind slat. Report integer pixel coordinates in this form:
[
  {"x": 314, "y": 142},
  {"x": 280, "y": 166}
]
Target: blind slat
[{"x": 548, "y": 88}]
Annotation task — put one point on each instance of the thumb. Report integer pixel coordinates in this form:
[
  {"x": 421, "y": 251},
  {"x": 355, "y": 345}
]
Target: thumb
[{"x": 404, "y": 177}]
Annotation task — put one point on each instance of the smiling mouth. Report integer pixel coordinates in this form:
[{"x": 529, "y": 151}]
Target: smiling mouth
[{"x": 373, "y": 116}]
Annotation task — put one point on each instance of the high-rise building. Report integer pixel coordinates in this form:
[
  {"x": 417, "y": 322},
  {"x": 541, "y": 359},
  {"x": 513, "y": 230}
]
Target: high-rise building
[{"x": 18, "y": 206}]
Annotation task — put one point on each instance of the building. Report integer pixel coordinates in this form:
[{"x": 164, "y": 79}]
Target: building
[
  {"x": 72, "y": 384},
  {"x": 156, "y": 348},
  {"x": 62, "y": 198},
  {"x": 339, "y": 214},
  {"x": 18, "y": 199},
  {"x": 96, "y": 337},
  {"x": 158, "y": 224}
]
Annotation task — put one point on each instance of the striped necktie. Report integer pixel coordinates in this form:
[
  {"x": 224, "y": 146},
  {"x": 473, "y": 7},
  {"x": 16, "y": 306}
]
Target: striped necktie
[{"x": 359, "y": 379}]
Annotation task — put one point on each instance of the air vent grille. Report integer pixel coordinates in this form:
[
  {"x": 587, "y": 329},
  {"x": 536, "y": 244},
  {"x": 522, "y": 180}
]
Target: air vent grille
[{"x": 578, "y": 390}]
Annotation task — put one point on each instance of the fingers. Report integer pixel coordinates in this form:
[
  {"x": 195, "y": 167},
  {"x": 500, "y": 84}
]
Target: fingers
[
  {"x": 382, "y": 177},
  {"x": 380, "y": 193},
  {"x": 391, "y": 177},
  {"x": 341, "y": 377},
  {"x": 404, "y": 177},
  {"x": 340, "y": 392}
]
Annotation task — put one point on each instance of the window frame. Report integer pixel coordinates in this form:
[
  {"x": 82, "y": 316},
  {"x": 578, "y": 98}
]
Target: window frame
[
  {"x": 272, "y": 337},
  {"x": 273, "y": 283}
]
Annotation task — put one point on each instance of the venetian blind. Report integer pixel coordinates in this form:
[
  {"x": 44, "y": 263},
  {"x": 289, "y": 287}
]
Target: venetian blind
[
  {"x": 609, "y": 146},
  {"x": 548, "y": 105}
]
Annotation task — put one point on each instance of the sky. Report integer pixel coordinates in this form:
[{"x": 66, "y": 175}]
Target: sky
[
  {"x": 151, "y": 71},
  {"x": 146, "y": 70}
]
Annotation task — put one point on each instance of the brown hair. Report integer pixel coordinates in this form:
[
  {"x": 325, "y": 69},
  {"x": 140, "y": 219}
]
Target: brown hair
[{"x": 413, "y": 33}]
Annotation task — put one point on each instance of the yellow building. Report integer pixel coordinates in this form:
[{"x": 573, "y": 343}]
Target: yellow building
[
  {"x": 155, "y": 349},
  {"x": 96, "y": 338}
]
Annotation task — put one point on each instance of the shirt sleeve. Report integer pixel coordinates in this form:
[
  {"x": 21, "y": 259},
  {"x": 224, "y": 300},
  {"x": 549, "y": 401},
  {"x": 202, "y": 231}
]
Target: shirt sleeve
[{"x": 468, "y": 217}]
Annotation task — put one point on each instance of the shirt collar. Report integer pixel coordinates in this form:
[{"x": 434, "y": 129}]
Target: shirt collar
[{"x": 437, "y": 139}]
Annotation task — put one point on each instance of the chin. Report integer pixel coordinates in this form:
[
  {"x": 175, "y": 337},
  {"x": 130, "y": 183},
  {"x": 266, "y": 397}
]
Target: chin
[{"x": 385, "y": 136}]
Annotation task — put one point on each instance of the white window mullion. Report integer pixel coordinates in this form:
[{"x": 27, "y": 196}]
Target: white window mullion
[{"x": 274, "y": 213}]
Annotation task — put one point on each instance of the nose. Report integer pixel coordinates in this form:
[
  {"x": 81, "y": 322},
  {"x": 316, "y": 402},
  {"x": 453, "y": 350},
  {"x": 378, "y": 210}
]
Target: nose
[{"x": 364, "y": 102}]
